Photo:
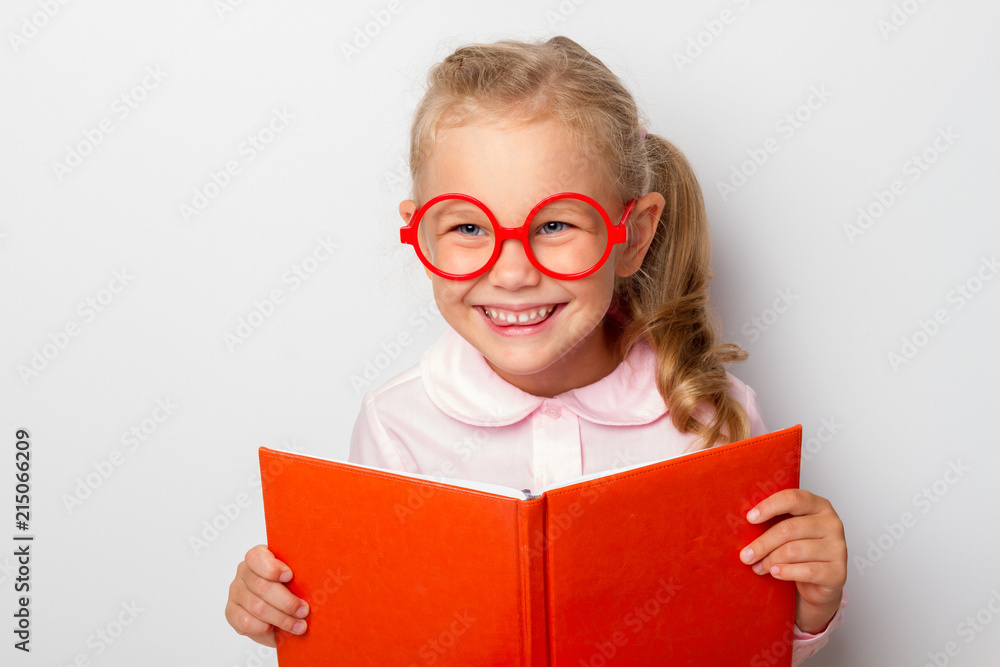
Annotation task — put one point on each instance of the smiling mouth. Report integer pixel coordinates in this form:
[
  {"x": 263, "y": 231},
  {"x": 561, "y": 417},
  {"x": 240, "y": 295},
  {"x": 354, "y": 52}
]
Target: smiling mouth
[{"x": 507, "y": 318}]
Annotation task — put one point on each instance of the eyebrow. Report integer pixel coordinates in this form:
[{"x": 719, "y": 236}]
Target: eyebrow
[
  {"x": 580, "y": 208},
  {"x": 459, "y": 212}
]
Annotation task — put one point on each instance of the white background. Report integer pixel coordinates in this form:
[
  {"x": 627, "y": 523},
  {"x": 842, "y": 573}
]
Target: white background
[{"x": 337, "y": 170}]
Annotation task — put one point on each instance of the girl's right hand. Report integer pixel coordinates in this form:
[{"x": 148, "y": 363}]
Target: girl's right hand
[{"x": 259, "y": 601}]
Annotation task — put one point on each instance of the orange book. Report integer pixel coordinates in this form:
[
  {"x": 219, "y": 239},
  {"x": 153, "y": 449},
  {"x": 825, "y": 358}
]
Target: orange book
[{"x": 633, "y": 566}]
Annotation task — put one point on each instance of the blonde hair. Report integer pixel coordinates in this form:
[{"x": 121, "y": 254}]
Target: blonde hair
[{"x": 666, "y": 301}]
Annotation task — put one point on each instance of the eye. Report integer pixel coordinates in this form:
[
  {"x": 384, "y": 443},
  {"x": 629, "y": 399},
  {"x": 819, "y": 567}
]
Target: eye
[
  {"x": 553, "y": 226},
  {"x": 468, "y": 229}
]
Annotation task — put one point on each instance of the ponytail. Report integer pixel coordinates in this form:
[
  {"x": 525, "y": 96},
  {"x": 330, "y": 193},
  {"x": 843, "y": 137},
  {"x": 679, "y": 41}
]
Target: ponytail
[{"x": 666, "y": 302}]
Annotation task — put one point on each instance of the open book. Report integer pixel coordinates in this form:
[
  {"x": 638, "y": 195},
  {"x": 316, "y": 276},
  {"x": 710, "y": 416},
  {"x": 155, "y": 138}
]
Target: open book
[{"x": 633, "y": 566}]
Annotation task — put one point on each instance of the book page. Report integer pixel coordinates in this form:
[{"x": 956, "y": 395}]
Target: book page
[
  {"x": 487, "y": 487},
  {"x": 603, "y": 473}
]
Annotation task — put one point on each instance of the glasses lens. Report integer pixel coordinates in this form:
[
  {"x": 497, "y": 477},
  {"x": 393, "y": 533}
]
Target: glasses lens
[
  {"x": 568, "y": 236},
  {"x": 456, "y": 236}
]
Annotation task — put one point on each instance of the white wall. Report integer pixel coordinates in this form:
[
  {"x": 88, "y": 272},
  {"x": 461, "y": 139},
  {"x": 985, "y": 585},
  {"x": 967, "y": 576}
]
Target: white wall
[{"x": 336, "y": 170}]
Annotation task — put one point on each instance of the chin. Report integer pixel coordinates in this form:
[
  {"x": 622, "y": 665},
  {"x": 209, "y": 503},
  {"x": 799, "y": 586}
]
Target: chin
[{"x": 520, "y": 365}]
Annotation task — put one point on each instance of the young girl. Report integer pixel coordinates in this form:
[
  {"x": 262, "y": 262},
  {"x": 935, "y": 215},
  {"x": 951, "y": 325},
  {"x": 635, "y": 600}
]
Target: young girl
[{"x": 574, "y": 346}]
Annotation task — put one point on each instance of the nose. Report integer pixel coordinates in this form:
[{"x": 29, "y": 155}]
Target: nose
[{"x": 513, "y": 270}]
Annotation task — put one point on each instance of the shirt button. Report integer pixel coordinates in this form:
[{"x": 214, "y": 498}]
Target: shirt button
[{"x": 552, "y": 410}]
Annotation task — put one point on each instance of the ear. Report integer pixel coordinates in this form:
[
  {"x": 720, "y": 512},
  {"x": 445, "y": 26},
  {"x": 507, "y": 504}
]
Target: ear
[
  {"x": 645, "y": 218},
  {"x": 407, "y": 208}
]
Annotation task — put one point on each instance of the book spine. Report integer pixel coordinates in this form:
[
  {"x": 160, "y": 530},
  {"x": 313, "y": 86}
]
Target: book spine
[{"x": 534, "y": 596}]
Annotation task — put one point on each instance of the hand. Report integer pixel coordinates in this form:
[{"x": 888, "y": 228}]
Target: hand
[
  {"x": 259, "y": 601},
  {"x": 808, "y": 548}
]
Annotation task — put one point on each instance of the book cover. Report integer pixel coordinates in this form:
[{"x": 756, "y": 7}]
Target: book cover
[{"x": 633, "y": 566}]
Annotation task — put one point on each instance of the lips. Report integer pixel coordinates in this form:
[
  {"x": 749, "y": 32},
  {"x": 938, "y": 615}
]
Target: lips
[{"x": 507, "y": 317}]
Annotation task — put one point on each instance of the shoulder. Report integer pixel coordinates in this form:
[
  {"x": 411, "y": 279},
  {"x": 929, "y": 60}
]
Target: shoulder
[
  {"x": 413, "y": 391},
  {"x": 401, "y": 389},
  {"x": 740, "y": 390},
  {"x": 376, "y": 439},
  {"x": 747, "y": 397},
  {"x": 404, "y": 417}
]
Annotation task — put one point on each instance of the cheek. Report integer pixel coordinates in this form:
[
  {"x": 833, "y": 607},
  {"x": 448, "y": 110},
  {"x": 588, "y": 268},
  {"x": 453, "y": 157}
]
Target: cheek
[
  {"x": 600, "y": 286},
  {"x": 594, "y": 298},
  {"x": 449, "y": 291}
]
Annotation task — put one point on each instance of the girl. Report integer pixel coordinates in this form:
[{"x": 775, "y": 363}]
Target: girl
[{"x": 574, "y": 346}]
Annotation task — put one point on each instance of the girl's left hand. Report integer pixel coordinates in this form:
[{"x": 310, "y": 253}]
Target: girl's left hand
[{"x": 808, "y": 548}]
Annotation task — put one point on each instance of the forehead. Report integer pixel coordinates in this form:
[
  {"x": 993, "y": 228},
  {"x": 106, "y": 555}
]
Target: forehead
[{"x": 511, "y": 167}]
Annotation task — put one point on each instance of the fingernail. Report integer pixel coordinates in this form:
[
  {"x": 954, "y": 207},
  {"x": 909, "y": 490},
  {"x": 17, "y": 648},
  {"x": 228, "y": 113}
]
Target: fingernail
[
  {"x": 753, "y": 514},
  {"x": 746, "y": 555},
  {"x": 302, "y": 611},
  {"x": 286, "y": 575},
  {"x": 299, "y": 627},
  {"x": 758, "y": 568}
]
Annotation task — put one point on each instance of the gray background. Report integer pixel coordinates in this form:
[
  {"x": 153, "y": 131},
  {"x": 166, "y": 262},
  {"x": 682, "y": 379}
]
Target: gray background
[{"x": 877, "y": 431}]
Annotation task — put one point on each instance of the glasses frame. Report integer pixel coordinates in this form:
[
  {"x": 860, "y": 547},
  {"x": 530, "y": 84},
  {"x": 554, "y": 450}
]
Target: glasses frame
[{"x": 616, "y": 234}]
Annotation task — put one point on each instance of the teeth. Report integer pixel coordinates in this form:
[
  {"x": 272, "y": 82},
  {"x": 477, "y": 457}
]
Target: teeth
[{"x": 519, "y": 318}]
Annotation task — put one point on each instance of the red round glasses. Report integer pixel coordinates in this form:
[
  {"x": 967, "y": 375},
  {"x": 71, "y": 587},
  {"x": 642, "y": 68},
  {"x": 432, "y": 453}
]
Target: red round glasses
[{"x": 565, "y": 236}]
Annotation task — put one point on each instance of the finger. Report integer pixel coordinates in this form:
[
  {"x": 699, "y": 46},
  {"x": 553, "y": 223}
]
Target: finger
[
  {"x": 246, "y": 624},
  {"x": 788, "y": 530},
  {"x": 262, "y": 610},
  {"x": 819, "y": 574},
  {"x": 274, "y": 593},
  {"x": 830, "y": 555},
  {"x": 796, "y": 502},
  {"x": 796, "y": 551},
  {"x": 264, "y": 564}
]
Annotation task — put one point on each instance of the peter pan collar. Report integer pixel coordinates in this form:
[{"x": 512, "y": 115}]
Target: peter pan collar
[{"x": 460, "y": 382}]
